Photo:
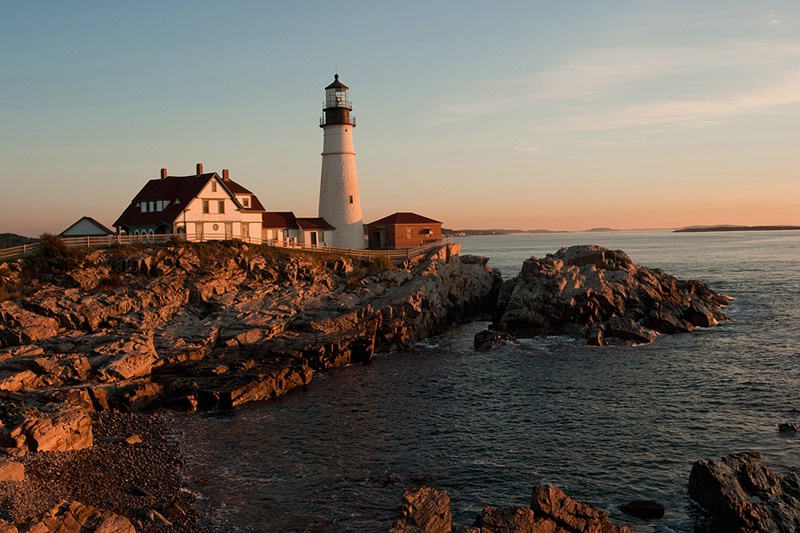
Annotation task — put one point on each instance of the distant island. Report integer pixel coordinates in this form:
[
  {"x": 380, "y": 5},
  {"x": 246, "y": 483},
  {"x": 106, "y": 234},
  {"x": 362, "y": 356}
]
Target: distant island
[
  {"x": 470, "y": 232},
  {"x": 699, "y": 229}
]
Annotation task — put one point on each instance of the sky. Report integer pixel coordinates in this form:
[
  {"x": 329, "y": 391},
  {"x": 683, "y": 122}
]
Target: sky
[{"x": 562, "y": 115}]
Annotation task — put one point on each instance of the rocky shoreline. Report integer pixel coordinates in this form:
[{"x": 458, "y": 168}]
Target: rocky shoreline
[
  {"x": 133, "y": 470},
  {"x": 100, "y": 349}
]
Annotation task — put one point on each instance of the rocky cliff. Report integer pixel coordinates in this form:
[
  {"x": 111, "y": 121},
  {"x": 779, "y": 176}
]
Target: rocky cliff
[{"x": 206, "y": 325}]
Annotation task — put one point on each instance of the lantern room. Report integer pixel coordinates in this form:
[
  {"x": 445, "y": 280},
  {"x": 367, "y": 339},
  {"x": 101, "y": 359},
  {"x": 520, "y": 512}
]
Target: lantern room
[{"x": 337, "y": 105}]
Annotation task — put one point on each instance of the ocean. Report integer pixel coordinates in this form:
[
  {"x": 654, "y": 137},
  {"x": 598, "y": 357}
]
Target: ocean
[{"x": 606, "y": 425}]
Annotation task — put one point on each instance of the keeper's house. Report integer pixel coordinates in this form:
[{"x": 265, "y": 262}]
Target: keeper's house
[
  {"x": 202, "y": 207},
  {"x": 403, "y": 230}
]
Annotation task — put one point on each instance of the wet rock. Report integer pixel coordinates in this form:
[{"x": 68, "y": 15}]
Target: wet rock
[
  {"x": 555, "y": 511},
  {"x": 508, "y": 519},
  {"x": 644, "y": 509},
  {"x": 426, "y": 510},
  {"x": 742, "y": 495},
  {"x": 627, "y": 329},
  {"x": 789, "y": 427},
  {"x": 488, "y": 340}
]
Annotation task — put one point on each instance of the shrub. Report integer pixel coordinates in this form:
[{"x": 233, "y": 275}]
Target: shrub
[
  {"x": 53, "y": 257},
  {"x": 380, "y": 264}
]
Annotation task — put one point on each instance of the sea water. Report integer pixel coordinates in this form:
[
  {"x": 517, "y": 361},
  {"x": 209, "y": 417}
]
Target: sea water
[{"x": 606, "y": 425}]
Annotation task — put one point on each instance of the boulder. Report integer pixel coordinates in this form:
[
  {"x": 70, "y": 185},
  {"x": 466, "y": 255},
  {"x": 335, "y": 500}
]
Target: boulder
[
  {"x": 426, "y": 510},
  {"x": 557, "y": 512},
  {"x": 742, "y": 495},
  {"x": 506, "y": 520},
  {"x": 11, "y": 470},
  {"x": 68, "y": 429},
  {"x": 75, "y": 517},
  {"x": 488, "y": 340}
]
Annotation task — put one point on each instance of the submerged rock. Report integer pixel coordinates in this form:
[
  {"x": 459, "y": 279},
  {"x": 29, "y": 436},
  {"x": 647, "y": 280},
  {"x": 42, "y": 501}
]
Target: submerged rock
[
  {"x": 644, "y": 509},
  {"x": 742, "y": 495},
  {"x": 601, "y": 294}
]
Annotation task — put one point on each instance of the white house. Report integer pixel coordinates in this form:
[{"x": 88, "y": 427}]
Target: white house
[
  {"x": 86, "y": 227},
  {"x": 203, "y": 206}
]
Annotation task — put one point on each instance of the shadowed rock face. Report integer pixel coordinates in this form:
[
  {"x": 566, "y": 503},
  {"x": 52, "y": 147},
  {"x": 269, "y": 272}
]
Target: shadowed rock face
[
  {"x": 741, "y": 495},
  {"x": 602, "y": 295}
]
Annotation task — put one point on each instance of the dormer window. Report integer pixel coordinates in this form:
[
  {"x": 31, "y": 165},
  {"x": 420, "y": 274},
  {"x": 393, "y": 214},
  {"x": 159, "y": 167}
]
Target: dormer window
[{"x": 246, "y": 201}]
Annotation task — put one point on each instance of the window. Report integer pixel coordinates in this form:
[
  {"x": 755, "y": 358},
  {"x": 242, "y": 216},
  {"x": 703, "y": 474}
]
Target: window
[
  {"x": 152, "y": 206},
  {"x": 205, "y": 207},
  {"x": 144, "y": 207},
  {"x": 222, "y": 206},
  {"x": 229, "y": 230},
  {"x": 350, "y": 198},
  {"x": 409, "y": 233},
  {"x": 213, "y": 186},
  {"x": 198, "y": 231},
  {"x": 246, "y": 201}
]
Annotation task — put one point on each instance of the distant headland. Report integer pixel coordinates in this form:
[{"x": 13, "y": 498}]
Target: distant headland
[{"x": 698, "y": 229}]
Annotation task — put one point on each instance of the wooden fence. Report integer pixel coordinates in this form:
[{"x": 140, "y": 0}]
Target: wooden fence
[{"x": 105, "y": 241}]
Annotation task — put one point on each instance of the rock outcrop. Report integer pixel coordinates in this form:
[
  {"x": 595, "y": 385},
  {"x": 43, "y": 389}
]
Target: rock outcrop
[
  {"x": 742, "y": 495},
  {"x": 206, "y": 325},
  {"x": 602, "y": 295},
  {"x": 426, "y": 510},
  {"x": 551, "y": 511},
  {"x": 75, "y": 517}
]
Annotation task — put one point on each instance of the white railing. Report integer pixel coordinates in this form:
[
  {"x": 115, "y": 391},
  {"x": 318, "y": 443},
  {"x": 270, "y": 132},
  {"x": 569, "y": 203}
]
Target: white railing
[{"x": 105, "y": 241}]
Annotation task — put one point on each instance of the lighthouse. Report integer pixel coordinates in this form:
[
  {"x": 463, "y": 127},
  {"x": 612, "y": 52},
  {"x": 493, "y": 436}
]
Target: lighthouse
[{"x": 339, "y": 203}]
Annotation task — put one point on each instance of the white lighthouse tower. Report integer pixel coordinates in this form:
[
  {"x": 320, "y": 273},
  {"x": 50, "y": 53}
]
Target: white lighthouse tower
[{"x": 339, "y": 203}]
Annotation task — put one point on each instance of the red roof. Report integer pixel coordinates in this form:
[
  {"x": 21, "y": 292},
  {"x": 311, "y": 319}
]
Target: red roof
[
  {"x": 314, "y": 223},
  {"x": 275, "y": 219},
  {"x": 235, "y": 188},
  {"x": 404, "y": 218},
  {"x": 179, "y": 191}
]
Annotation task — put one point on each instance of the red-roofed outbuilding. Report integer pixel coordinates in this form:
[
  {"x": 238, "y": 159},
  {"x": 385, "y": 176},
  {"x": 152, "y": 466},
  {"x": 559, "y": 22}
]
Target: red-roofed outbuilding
[{"x": 403, "y": 230}]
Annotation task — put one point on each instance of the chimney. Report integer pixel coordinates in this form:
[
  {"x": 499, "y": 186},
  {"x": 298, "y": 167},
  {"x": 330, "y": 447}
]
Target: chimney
[
  {"x": 163, "y": 173},
  {"x": 226, "y": 174},
  {"x": 199, "y": 168}
]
